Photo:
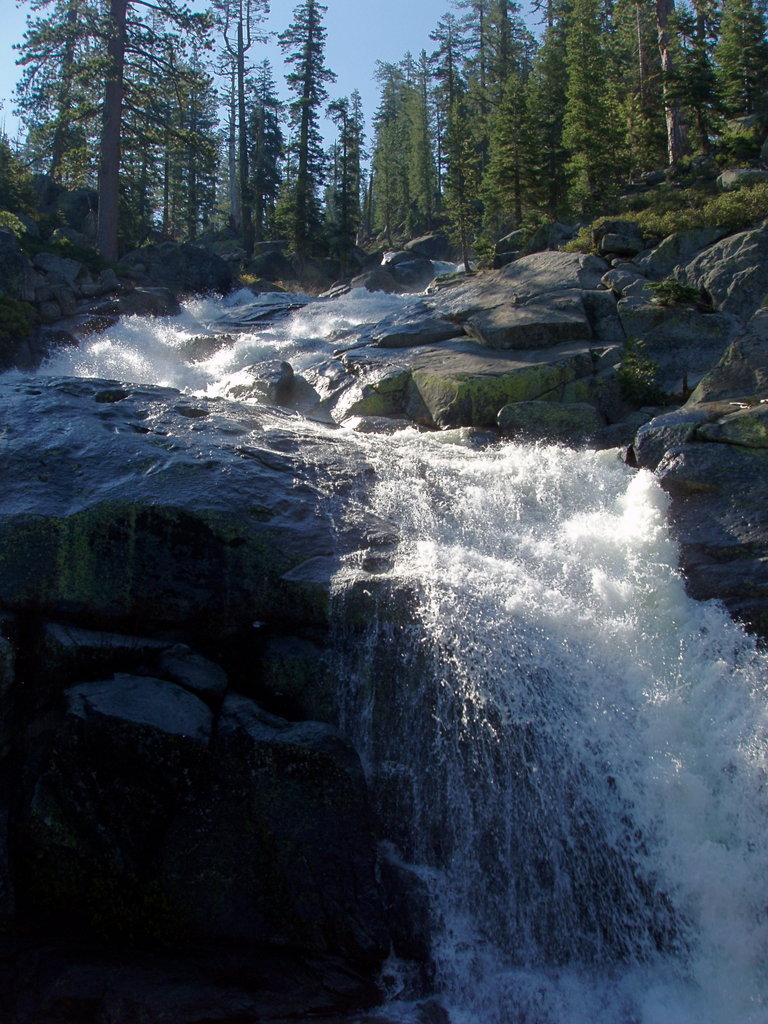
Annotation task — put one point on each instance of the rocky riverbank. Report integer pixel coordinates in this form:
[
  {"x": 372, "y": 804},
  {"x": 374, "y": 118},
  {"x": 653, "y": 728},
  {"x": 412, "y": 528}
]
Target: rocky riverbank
[{"x": 183, "y": 830}]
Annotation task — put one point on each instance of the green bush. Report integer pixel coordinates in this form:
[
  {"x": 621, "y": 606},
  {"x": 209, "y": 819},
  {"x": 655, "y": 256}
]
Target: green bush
[
  {"x": 638, "y": 375},
  {"x": 11, "y": 222},
  {"x": 671, "y": 292},
  {"x": 668, "y": 212}
]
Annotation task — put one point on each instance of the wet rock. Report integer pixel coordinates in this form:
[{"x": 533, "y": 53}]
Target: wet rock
[
  {"x": 719, "y": 516},
  {"x": 179, "y": 266},
  {"x": 298, "y": 867},
  {"x": 376, "y": 280},
  {"x": 432, "y": 247},
  {"x": 120, "y": 526},
  {"x": 570, "y": 422}
]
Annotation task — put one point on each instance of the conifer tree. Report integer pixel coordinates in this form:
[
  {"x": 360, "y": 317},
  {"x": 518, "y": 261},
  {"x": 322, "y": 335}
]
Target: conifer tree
[
  {"x": 239, "y": 21},
  {"x": 742, "y": 58},
  {"x": 303, "y": 44},
  {"x": 344, "y": 198},
  {"x": 422, "y": 183},
  {"x": 462, "y": 186},
  {"x": 507, "y": 178},
  {"x": 589, "y": 126},
  {"x": 390, "y": 165},
  {"x": 266, "y": 140},
  {"x": 57, "y": 97},
  {"x": 546, "y": 102}
]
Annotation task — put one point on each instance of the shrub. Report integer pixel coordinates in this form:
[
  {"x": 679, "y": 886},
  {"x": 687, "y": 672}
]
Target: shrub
[
  {"x": 638, "y": 375},
  {"x": 671, "y": 292},
  {"x": 11, "y": 222}
]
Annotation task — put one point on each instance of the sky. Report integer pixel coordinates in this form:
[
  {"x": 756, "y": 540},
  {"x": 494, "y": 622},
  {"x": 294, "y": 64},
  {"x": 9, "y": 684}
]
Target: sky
[{"x": 360, "y": 32}]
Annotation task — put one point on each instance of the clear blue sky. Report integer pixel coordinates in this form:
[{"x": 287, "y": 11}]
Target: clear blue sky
[{"x": 360, "y": 32}]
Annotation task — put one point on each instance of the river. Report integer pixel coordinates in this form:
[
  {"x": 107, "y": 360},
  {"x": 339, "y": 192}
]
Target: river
[{"x": 575, "y": 772}]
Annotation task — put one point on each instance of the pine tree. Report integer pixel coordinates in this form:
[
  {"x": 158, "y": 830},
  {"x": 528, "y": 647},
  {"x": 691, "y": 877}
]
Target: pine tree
[
  {"x": 692, "y": 83},
  {"x": 344, "y": 199},
  {"x": 421, "y": 172},
  {"x": 56, "y": 96},
  {"x": 462, "y": 186},
  {"x": 390, "y": 165},
  {"x": 665, "y": 22},
  {"x": 589, "y": 126},
  {"x": 266, "y": 139},
  {"x": 547, "y": 90},
  {"x": 742, "y": 58},
  {"x": 506, "y": 183},
  {"x": 303, "y": 44},
  {"x": 239, "y": 21}
]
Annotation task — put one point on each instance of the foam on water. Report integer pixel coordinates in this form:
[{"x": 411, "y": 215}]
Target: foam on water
[
  {"x": 150, "y": 350},
  {"x": 570, "y": 752},
  {"x": 595, "y": 751}
]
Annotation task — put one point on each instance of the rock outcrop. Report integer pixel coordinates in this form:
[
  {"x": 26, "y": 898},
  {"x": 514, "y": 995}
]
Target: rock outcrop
[{"x": 159, "y": 559}]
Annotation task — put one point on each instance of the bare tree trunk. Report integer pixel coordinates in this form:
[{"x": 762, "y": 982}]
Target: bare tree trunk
[
  {"x": 244, "y": 183},
  {"x": 109, "y": 168},
  {"x": 676, "y": 142}
]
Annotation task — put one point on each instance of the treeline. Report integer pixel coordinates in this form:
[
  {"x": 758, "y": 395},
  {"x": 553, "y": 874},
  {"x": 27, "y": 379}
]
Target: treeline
[{"x": 177, "y": 121}]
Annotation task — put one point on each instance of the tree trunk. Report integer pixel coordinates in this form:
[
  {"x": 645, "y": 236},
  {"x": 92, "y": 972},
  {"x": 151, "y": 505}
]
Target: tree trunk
[
  {"x": 676, "y": 144},
  {"x": 109, "y": 168},
  {"x": 246, "y": 216}
]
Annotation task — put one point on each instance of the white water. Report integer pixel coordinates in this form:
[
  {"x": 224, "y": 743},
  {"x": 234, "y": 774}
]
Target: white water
[
  {"x": 579, "y": 749},
  {"x": 594, "y": 763}
]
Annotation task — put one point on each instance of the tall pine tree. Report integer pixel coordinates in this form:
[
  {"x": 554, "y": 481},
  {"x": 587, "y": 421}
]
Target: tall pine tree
[{"x": 303, "y": 44}]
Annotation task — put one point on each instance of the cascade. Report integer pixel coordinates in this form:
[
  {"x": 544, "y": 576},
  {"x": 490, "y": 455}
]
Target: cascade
[{"x": 567, "y": 753}]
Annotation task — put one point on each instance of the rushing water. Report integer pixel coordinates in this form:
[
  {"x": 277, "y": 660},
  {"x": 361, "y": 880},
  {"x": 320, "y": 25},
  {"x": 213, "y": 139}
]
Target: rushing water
[{"x": 569, "y": 752}]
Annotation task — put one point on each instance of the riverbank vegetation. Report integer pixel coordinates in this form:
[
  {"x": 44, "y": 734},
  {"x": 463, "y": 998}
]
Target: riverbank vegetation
[{"x": 169, "y": 124}]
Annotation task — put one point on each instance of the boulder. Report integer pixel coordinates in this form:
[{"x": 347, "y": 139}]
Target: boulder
[
  {"x": 552, "y": 320},
  {"x": 271, "y": 382},
  {"x": 677, "y": 249},
  {"x": 148, "y": 302},
  {"x": 681, "y": 340},
  {"x": 573, "y": 423},
  {"x": 742, "y": 372},
  {"x": 180, "y": 266},
  {"x": 297, "y": 869},
  {"x": 671, "y": 429},
  {"x": 432, "y": 247},
  {"x": 719, "y": 516},
  {"x": 377, "y": 280},
  {"x": 121, "y": 527},
  {"x": 618, "y": 238},
  {"x": 737, "y": 177},
  {"x": 733, "y": 272},
  {"x": 411, "y": 272}
]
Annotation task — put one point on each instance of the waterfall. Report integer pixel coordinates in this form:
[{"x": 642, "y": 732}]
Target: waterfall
[
  {"x": 566, "y": 753},
  {"x": 575, "y": 768}
]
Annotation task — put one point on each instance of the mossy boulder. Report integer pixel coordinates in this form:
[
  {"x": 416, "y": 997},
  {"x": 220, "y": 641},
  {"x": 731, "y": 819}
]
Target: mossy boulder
[{"x": 570, "y": 422}]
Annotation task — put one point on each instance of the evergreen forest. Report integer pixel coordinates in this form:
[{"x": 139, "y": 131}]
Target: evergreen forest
[{"x": 174, "y": 118}]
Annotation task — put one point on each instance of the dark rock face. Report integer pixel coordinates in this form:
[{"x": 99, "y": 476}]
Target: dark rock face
[
  {"x": 154, "y": 558},
  {"x": 182, "y": 267},
  {"x": 711, "y": 457}
]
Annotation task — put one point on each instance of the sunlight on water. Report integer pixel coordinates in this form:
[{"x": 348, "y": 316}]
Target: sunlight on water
[
  {"x": 595, "y": 756},
  {"x": 567, "y": 753},
  {"x": 151, "y": 350}
]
